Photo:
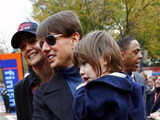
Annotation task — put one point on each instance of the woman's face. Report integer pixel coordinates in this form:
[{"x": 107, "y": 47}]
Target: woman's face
[{"x": 32, "y": 52}]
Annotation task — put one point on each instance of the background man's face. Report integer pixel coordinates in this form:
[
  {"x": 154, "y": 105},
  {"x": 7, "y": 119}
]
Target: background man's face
[
  {"x": 59, "y": 54},
  {"x": 31, "y": 52},
  {"x": 157, "y": 83},
  {"x": 132, "y": 56}
]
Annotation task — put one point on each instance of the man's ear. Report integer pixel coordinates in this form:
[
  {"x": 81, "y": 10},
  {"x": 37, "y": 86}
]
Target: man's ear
[
  {"x": 75, "y": 38},
  {"x": 123, "y": 54}
]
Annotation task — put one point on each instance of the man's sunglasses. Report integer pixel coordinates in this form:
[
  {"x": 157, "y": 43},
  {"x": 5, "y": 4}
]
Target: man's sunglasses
[{"x": 51, "y": 39}]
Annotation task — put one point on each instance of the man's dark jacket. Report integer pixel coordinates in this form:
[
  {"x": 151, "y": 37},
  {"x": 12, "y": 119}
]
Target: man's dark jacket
[
  {"x": 23, "y": 96},
  {"x": 53, "y": 100}
]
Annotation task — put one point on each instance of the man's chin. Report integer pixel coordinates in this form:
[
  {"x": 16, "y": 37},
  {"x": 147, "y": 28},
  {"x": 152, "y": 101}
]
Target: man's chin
[
  {"x": 56, "y": 65},
  {"x": 53, "y": 65}
]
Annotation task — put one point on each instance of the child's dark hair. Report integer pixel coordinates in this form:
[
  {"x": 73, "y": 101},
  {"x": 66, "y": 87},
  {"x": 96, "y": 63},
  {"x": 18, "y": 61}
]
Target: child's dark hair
[{"x": 96, "y": 45}]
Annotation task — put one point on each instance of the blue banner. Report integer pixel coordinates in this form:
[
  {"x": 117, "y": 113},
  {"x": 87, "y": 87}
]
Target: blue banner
[{"x": 10, "y": 75}]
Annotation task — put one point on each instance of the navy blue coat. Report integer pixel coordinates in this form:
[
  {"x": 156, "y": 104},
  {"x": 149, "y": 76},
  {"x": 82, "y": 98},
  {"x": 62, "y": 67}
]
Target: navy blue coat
[{"x": 109, "y": 98}]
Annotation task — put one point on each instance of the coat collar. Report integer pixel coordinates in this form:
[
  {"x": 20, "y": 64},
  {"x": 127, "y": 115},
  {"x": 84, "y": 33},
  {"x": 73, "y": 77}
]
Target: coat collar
[
  {"x": 56, "y": 83},
  {"x": 58, "y": 98},
  {"x": 33, "y": 79},
  {"x": 118, "y": 80}
]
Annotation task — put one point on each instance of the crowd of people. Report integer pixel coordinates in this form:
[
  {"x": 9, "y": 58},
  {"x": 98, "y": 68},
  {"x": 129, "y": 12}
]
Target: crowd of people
[
  {"x": 80, "y": 77},
  {"x": 153, "y": 95},
  {"x": 5, "y": 97}
]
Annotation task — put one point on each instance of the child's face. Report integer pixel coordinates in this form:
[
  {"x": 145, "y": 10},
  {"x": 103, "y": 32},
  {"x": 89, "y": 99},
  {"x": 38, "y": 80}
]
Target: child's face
[{"x": 87, "y": 72}]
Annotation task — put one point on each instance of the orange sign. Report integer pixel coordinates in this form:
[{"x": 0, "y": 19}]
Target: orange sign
[{"x": 18, "y": 66}]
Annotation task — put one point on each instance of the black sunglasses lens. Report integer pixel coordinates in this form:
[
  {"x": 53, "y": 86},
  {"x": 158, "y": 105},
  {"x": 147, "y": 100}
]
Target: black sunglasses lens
[{"x": 51, "y": 40}]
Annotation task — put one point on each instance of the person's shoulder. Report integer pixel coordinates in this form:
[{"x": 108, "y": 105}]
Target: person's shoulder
[
  {"x": 22, "y": 83},
  {"x": 137, "y": 85},
  {"x": 116, "y": 80},
  {"x": 137, "y": 88},
  {"x": 42, "y": 88},
  {"x": 95, "y": 85},
  {"x": 138, "y": 78}
]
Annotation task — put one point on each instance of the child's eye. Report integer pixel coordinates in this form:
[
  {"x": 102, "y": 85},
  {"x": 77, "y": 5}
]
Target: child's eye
[
  {"x": 78, "y": 68},
  {"x": 84, "y": 62}
]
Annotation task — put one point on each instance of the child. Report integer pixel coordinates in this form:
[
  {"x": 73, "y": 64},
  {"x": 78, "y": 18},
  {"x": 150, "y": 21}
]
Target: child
[{"x": 106, "y": 93}]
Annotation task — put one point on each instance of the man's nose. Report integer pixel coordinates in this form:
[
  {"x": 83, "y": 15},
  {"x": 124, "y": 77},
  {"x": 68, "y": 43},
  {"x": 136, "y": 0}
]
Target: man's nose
[
  {"x": 45, "y": 47},
  {"x": 140, "y": 55}
]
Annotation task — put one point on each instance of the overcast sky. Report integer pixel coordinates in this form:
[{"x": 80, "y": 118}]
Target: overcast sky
[{"x": 13, "y": 13}]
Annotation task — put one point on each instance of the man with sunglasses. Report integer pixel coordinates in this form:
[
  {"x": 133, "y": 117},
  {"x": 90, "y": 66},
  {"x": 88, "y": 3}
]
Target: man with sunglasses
[
  {"x": 40, "y": 71},
  {"x": 58, "y": 34}
]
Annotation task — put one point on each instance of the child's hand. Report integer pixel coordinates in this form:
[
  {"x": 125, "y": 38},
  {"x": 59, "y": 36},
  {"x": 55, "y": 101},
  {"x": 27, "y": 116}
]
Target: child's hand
[
  {"x": 155, "y": 116},
  {"x": 81, "y": 85}
]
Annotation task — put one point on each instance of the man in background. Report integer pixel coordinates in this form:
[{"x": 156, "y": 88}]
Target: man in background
[
  {"x": 131, "y": 53},
  {"x": 132, "y": 56}
]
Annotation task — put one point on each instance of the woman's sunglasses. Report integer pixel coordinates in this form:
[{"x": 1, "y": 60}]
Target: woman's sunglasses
[{"x": 51, "y": 39}]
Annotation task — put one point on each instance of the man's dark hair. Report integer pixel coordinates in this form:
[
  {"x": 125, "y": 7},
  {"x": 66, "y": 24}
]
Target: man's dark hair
[
  {"x": 124, "y": 42},
  {"x": 65, "y": 22}
]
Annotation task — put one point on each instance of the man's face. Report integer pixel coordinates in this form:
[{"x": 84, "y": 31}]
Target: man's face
[
  {"x": 31, "y": 51},
  {"x": 132, "y": 56},
  {"x": 157, "y": 83},
  {"x": 59, "y": 54},
  {"x": 150, "y": 83}
]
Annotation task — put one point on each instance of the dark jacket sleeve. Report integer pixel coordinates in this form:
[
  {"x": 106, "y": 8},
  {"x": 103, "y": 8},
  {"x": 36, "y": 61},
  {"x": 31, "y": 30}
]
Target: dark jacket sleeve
[
  {"x": 40, "y": 109},
  {"x": 37, "y": 106},
  {"x": 18, "y": 92},
  {"x": 97, "y": 101},
  {"x": 94, "y": 103}
]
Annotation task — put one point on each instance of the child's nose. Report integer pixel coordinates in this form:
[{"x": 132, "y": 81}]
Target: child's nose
[{"x": 82, "y": 71}]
